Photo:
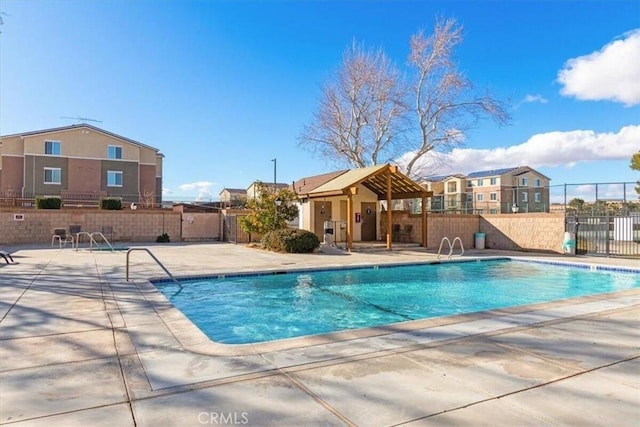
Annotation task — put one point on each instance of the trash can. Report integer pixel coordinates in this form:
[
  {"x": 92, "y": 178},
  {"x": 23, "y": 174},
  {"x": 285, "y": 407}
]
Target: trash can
[
  {"x": 479, "y": 240},
  {"x": 569, "y": 243}
]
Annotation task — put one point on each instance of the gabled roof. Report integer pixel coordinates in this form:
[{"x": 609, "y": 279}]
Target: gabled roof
[
  {"x": 437, "y": 178},
  {"x": 80, "y": 126},
  {"x": 309, "y": 183},
  {"x": 269, "y": 184},
  {"x": 487, "y": 173},
  {"x": 234, "y": 190},
  {"x": 373, "y": 178},
  {"x": 493, "y": 172}
]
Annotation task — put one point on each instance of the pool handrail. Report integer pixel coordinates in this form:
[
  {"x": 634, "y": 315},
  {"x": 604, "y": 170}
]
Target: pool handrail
[
  {"x": 451, "y": 246},
  {"x": 155, "y": 259},
  {"x": 103, "y": 238},
  {"x": 91, "y": 240}
]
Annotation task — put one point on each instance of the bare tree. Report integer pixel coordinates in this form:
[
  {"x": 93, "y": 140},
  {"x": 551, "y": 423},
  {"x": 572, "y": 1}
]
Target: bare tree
[
  {"x": 363, "y": 116},
  {"x": 359, "y": 112},
  {"x": 445, "y": 102}
]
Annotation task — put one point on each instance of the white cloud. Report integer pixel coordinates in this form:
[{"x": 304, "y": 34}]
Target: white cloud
[
  {"x": 612, "y": 73},
  {"x": 166, "y": 191},
  {"x": 534, "y": 98},
  {"x": 202, "y": 188},
  {"x": 549, "y": 149}
]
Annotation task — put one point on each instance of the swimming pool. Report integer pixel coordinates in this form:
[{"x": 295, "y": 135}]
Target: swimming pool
[{"x": 245, "y": 308}]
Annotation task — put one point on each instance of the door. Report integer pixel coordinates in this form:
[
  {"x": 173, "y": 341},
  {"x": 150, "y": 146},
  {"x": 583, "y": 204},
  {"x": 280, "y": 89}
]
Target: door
[{"x": 369, "y": 222}]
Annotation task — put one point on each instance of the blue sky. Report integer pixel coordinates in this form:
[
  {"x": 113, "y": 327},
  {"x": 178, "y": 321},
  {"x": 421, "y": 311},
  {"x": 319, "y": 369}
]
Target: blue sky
[{"x": 223, "y": 87}]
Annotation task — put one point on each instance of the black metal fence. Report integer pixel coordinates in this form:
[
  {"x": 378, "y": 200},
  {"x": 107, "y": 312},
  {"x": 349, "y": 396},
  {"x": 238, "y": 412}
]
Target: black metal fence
[
  {"x": 84, "y": 199},
  {"x": 610, "y": 234}
]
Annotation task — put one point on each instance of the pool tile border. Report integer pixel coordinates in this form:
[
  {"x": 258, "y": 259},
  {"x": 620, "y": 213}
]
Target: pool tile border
[
  {"x": 193, "y": 337},
  {"x": 589, "y": 266},
  {"x": 162, "y": 280}
]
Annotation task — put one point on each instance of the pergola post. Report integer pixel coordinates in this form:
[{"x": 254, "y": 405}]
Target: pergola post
[
  {"x": 349, "y": 221},
  {"x": 424, "y": 222},
  {"x": 389, "y": 216}
]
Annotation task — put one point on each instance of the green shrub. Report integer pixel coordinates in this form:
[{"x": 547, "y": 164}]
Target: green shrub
[
  {"x": 291, "y": 241},
  {"x": 111, "y": 204},
  {"x": 163, "y": 238},
  {"x": 48, "y": 202}
]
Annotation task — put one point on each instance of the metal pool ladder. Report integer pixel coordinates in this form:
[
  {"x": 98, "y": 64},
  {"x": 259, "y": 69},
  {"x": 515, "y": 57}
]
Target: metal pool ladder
[
  {"x": 155, "y": 259},
  {"x": 451, "y": 246},
  {"x": 91, "y": 240}
]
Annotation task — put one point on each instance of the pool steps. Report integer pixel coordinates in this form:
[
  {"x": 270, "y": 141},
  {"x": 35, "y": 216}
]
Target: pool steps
[{"x": 451, "y": 246}]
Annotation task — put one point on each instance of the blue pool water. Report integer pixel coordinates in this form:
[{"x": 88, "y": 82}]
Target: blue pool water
[{"x": 255, "y": 308}]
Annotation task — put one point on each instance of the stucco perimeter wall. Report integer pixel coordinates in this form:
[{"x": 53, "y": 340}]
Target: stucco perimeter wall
[
  {"x": 524, "y": 231},
  {"x": 128, "y": 226},
  {"x": 200, "y": 226}
]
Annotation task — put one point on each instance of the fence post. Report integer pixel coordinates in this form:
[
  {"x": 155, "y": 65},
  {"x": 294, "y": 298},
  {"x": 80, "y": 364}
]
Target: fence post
[{"x": 607, "y": 245}]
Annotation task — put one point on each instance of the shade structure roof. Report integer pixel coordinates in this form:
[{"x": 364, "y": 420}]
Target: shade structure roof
[{"x": 373, "y": 178}]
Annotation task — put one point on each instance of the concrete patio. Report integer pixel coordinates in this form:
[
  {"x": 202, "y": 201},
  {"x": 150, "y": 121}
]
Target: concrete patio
[{"x": 81, "y": 346}]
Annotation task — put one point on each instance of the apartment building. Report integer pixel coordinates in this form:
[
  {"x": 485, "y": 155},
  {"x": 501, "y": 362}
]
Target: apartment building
[
  {"x": 231, "y": 197},
  {"x": 253, "y": 191},
  {"x": 509, "y": 190},
  {"x": 78, "y": 161}
]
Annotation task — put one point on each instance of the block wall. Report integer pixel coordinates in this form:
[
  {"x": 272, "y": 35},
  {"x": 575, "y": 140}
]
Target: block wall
[
  {"x": 37, "y": 226},
  {"x": 524, "y": 231}
]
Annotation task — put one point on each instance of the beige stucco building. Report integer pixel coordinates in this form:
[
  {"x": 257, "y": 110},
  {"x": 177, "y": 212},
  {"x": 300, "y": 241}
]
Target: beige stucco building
[
  {"x": 350, "y": 202},
  {"x": 518, "y": 189},
  {"x": 77, "y": 160},
  {"x": 231, "y": 197}
]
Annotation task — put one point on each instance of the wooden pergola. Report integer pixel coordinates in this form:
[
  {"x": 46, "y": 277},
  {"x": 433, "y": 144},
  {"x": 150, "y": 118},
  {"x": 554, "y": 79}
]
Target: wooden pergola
[{"x": 383, "y": 180}]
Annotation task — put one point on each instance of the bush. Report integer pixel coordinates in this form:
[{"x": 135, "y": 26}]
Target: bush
[
  {"x": 291, "y": 241},
  {"x": 48, "y": 202},
  {"x": 163, "y": 238},
  {"x": 111, "y": 204}
]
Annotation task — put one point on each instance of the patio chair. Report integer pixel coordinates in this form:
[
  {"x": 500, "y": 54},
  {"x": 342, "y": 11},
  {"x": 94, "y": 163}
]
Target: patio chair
[
  {"x": 405, "y": 234},
  {"x": 395, "y": 233},
  {"x": 60, "y": 235},
  {"x": 7, "y": 256},
  {"x": 107, "y": 230}
]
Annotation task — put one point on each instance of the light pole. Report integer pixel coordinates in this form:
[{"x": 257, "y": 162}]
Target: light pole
[
  {"x": 278, "y": 203},
  {"x": 275, "y": 162}
]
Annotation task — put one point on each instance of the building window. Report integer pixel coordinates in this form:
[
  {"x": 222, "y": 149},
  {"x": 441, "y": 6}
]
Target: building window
[
  {"x": 469, "y": 197},
  {"x": 493, "y": 197},
  {"x": 114, "y": 179},
  {"x": 537, "y": 197},
  {"x": 480, "y": 182},
  {"x": 52, "y": 176},
  {"x": 52, "y": 148},
  {"x": 525, "y": 196},
  {"x": 494, "y": 181},
  {"x": 114, "y": 152},
  {"x": 469, "y": 184},
  {"x": 538, "y": 182},
  {"x": 480, "y": 197},
  {"x": 524, "y": 182},
  {"x": 452, "y": 187},
  {"x": 493, "y": 211}
]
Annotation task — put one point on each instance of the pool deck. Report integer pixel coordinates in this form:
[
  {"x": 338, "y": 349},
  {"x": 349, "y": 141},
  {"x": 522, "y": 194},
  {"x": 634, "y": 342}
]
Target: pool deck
[{"x": 81, "y": 346}]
